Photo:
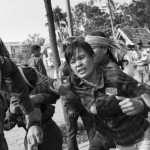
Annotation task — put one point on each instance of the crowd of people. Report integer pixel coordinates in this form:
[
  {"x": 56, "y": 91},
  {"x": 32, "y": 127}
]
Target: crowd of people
[{"x": 104, "y": 82}]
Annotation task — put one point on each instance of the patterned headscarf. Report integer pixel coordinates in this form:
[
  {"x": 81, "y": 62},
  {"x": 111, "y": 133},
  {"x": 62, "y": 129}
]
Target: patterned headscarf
[
  {"x": 99, "y": 40},
  {"x": 115, "y": 48}
]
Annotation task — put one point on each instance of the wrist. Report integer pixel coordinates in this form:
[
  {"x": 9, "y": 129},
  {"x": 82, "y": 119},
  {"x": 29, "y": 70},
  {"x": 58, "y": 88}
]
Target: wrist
[
  {"x": 35, "y": 123},
  {"x": 146, "y": 108},
  {"x": 142, "y": 105},
  {"x": 145, "y": 99}
]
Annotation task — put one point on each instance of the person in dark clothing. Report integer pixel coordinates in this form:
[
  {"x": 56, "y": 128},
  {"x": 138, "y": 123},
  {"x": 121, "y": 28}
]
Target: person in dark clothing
[
  {"x": 109, "y": 54},
  {"x": 8, "y": 69},
  {"x": 99, "y": 91},
  {"x": 76, "y": 109},
  {"x": 73, "y": 112},
  {"x": 43, "y": 98},
  {"x": 35, "y": 60}
]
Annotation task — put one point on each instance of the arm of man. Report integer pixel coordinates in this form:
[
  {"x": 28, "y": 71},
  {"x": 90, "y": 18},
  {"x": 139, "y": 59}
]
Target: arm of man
[
  {"x": 20, "y": 90},
  {"x": 131, "y": 106},
  {"x": 44, "y": 98},
  {"x": 132, "y": 103},
  {"x": 73, "y": 107},
  {"x": 18, "y": 86},
  {"x": 128, "y": 106}
]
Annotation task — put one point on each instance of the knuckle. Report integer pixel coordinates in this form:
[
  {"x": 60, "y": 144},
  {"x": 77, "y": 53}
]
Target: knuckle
[
  {"x": 37, "y": 134},
  {"x": 128, "y": 99},
  {"x": 130, "y": 104}
]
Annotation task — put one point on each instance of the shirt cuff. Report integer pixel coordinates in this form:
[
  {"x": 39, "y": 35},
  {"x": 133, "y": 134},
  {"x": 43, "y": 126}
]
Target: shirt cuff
[{"x": 146, "y": 109}]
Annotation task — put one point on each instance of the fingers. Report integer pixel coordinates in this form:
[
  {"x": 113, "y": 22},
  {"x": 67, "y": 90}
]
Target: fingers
[
  {"x": 60, "y": 74},
  {"x": 130, "y": 107},
  {"x": 127, "y": 106},
  {"x": 31, "y": 141},
  {"x": 120, "y": 98},
  {"x": 128, "y": 110},
  {"x": 131, "y": 113},
  {"x": 126, "y": 102},
  {"x": 34, "y": 136},
  {"x": 59, "y": 80},
  {"x": 39, "y": 137}
]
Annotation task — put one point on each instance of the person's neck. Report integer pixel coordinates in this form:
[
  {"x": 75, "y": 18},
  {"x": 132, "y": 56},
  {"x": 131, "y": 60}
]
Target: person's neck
[
  {"x": 93, "y": 77},
  {"x": 103, "y": 61}
]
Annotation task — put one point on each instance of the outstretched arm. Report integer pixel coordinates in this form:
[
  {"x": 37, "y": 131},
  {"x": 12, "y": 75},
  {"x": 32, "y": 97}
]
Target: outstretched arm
[{"x": 44, "y": 98}]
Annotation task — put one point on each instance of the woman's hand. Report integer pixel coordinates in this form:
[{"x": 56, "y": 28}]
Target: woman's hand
[
  {"x": 63, "y": 87},
  {"x": 130, "y": 106}
]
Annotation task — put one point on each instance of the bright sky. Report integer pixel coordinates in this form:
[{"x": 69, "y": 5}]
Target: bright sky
[{"x": 19, "y": 18}]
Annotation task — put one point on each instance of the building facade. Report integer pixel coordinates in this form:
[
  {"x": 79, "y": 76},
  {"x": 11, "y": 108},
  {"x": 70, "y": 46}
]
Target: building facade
[
  {"x": 13, "y": 48},
  {"x": 132, "y": 36}
]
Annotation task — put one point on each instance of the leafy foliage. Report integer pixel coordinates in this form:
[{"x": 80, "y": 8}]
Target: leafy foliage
[
  {"x": 59, "y": 15},
  {"x": 91, "y": 17},
  {"x": 60, "y": 21},
  {"x": 136, "y": 14}
]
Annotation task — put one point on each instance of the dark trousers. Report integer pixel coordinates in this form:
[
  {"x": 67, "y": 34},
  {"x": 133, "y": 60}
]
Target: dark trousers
[
  {"x": 52, "y": 139},
  {"x": 72, "y": 132},
  {"x": 93, "y": 135},
  {"x": 3, "y": 143}
]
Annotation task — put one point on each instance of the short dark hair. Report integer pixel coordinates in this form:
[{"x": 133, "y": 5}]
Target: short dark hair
[
  {"x": 67, "y": 42},
  {"x": 35, "y": 48},
  {"x": 74, "y": 46}
]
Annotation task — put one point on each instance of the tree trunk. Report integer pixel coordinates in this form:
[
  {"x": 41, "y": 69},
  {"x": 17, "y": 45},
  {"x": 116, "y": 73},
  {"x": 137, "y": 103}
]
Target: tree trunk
[
  {"x": 52, "y": 35},
  {"x": 69, "y": 18}
]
